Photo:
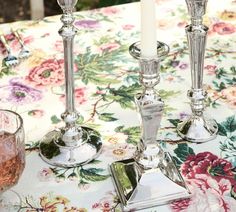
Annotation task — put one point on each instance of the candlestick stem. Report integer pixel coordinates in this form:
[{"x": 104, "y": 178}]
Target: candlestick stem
[
  {"x": 71, "y": 133},
  {"x": 197, "y": 128},
  {"x": 71, "y": 145}
]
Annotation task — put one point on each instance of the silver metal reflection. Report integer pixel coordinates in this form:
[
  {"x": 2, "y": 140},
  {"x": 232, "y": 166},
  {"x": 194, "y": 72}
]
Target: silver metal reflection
[
  {"x": 151, "y": 177},
  {"x": 197, "y": 128},
  {"x": 71, "y": 145}
]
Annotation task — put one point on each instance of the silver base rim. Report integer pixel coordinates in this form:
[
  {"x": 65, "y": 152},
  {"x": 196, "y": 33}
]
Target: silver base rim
[
  {"x": 198, "y": 129},
  {"x": 128, "y": 184},
  {"x": 60, "y": 156}
]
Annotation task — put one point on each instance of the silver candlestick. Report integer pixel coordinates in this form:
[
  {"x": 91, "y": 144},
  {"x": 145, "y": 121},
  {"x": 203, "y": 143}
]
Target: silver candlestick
[
  {"x": 197, "y": 128},
  {"x": 71, "y": 145},
  {"x": 150, "y": 178}
]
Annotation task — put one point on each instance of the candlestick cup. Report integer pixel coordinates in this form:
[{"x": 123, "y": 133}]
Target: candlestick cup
[
  {"x": 73, "y": 144},
  {"x": 150, "y": 178},
  {"x": 198, "y": 127}
]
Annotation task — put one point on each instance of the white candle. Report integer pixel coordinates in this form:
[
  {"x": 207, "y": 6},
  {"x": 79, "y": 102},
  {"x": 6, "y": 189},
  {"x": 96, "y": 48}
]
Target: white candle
[
  {"x": 37, "y": 9},
  {"x": 148, "y": 29}
]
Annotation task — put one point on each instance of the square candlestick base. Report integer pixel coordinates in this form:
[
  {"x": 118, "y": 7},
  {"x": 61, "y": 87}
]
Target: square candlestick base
[{"x": 138, "y": 188}]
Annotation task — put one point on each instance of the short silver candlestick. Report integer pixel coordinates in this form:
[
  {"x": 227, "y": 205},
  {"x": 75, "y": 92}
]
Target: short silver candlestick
[
  {"x": 71, "y": 145},
  {"x": 197, "y": 128},
  {"x": 150, "y": 178}
]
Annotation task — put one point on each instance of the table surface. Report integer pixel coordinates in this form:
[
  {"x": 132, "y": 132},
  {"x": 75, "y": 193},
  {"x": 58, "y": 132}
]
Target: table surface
[{"x": 106, "y": 80}]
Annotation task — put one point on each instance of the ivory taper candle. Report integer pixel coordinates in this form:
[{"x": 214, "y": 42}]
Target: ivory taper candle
[{"x": 148, "y": 29}]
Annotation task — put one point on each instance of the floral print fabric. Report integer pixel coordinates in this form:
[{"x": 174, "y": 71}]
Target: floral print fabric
[{"x": 106, "y": 81}]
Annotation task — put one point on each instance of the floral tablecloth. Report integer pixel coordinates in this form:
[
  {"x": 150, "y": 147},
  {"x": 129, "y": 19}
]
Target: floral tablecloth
[{"x": 106, "y": 79}]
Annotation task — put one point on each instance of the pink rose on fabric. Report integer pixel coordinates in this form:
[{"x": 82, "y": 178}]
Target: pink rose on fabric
[
  {"x": 100, "y": 92},
  {"x": 211, "y": 69},
  {"x": 79, "y": 94},
  {"x": 109, "y": 47},
  {"x": 107, "y": 203},
  {"x": 110, "y": 10},
  {"x": 181, "y": 205},
  {"x": 223, "y": 28},
  {"x": 16, "y": 45},
  {"x": 46, "y": 175},
  {"x": 9, "y": 37},
  {"x": 210, "y": 179},
  {"x": 212, "y": 92},
  {"x": 208, "y": 164},
  {"x": 230, "y": 95},
  {"x": 128, "y": 26},
  {"x": 208, "y": 195},
  {"x": 48, "y": 73}
]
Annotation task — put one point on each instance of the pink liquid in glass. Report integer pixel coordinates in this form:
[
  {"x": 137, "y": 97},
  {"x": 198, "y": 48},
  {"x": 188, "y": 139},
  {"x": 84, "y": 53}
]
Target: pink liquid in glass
[{"x": 12, "y": 160}]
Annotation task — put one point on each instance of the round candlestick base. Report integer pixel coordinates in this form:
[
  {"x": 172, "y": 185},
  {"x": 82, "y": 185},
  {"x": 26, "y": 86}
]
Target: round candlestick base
[
  {"x": 54, "y": 151},
  {"x": 198, "y": 129}
]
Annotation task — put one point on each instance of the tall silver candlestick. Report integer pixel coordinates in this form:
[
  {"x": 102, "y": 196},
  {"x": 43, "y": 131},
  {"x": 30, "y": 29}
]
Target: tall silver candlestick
[
  {"x": 71, "y": 145},
  {"x": 150, "y": 178},
  {"x": 197, "y": 128}
]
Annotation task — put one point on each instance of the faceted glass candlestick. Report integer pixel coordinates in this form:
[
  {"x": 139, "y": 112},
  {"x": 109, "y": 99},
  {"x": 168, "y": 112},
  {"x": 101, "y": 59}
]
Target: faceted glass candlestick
[
  {"x": 150, "y": 178},
  {"x": 197, "y": 128},
  {"x": 71, "y": 145}
]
